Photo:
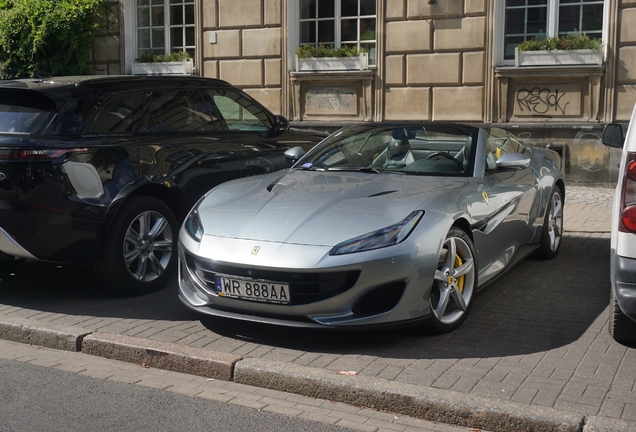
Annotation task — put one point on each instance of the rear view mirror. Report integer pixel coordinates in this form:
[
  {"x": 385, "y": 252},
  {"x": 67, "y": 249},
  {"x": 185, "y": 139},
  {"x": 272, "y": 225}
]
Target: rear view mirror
[
  {"x": 404, "y": 133},
  {"x": 512, "y": 161},
  {"x": 613, "y": 135},
  {"x": 281, "y": 124},
  {"x": 293, "y": 154}
]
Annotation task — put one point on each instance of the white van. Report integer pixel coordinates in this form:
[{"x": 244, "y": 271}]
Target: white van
[{"x": 622, "y": 320}]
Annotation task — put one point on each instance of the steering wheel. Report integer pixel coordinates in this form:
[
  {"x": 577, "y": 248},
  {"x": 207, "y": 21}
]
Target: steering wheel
[{"x": 447, "y": 156}]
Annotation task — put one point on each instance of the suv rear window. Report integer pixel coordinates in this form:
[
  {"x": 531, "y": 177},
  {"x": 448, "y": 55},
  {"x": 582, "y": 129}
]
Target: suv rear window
[{"x": 23, "y": 111}]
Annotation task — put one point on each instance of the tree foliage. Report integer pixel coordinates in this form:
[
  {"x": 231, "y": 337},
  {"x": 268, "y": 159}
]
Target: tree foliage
[{"x": 49, "y": 35}]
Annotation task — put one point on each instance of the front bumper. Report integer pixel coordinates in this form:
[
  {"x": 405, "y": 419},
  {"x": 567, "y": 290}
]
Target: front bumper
[{"x": 395, "y": 287}]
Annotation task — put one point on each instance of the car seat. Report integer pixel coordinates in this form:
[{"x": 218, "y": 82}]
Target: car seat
[{"x": 397, "y": 153}]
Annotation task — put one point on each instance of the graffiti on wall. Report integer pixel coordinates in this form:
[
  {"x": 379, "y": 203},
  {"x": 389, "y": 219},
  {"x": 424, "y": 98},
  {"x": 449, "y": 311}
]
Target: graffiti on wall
[
  {"x": 548, "y": 100},
  {"x": 541, "y": 100},
  {"x": 331, "y": 100}
]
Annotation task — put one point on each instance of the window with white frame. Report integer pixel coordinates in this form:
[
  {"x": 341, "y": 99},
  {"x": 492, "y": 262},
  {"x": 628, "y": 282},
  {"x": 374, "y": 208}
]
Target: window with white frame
[
  {"x": 339, "y": 23},
  {"x": 164, "y": 26},
  {"x": 537, "y": 19}
]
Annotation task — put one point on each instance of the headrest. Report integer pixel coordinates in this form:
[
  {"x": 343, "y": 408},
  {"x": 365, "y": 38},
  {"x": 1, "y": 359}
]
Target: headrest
[{"x": 398, "y": 147}]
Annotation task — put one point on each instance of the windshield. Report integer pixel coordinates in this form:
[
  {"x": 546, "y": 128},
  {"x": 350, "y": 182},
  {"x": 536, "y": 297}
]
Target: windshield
[{"x": 427, "y": 149}]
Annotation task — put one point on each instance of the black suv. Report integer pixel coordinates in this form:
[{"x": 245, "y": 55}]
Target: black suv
[{"x": 102, "y": 170}]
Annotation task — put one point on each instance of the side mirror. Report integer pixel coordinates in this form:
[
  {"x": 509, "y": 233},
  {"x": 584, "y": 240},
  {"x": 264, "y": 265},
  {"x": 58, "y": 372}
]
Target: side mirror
[
  {"x": 281, "y": 124},
  {"x": 613, "y": 135},
  {"x": 293, "y": 154},
  {"x": 512, "y": 161}
]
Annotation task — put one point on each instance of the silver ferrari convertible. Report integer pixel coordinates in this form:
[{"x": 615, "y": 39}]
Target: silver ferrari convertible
[{"x": 378, "y": 225}]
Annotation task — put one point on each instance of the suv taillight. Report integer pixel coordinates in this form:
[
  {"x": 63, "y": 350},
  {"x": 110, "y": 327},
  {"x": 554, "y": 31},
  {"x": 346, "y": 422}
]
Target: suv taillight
[
  {"x": 628, "y": 196},
  {"x": 37, "y": 154}
]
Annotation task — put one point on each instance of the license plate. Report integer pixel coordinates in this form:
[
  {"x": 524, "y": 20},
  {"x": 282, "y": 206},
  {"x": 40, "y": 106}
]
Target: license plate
[{"x": 254, "y": 290}]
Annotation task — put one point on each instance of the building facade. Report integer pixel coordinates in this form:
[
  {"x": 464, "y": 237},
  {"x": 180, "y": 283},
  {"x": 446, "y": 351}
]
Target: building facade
[{"x": 439, "y": 60}]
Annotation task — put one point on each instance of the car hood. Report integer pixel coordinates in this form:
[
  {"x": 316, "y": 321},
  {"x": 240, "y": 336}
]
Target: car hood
[{"x": 318, "y": 208}]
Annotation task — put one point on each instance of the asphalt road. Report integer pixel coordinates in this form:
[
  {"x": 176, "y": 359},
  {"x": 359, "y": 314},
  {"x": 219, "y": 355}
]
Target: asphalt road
[
  {"x": 44, "y": 389},
  {"x": 37, "y": 398}
]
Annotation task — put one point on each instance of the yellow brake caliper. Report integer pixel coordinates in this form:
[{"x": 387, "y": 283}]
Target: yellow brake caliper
[{"x": 460, "y": 279}]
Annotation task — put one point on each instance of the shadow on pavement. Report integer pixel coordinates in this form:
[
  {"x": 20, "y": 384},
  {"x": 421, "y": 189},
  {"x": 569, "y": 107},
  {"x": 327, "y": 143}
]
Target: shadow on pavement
[
  {"x": 536, "y": 306},
  {"x": 76, "y": 290}
]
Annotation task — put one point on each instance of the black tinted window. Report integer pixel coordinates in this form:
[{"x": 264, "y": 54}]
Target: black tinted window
[
  {"x": 121, "y": 113},
  {"x": 23, "y": 110},
  {"x": 181, "y": 111}
]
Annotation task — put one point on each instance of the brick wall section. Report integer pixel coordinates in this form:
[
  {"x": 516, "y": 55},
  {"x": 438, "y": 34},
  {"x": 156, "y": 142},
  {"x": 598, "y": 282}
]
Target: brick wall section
[
  {"x": 435, "y": 55},
  {"x": 626, "y": 65},
  {"x": 248, "y": 50}
]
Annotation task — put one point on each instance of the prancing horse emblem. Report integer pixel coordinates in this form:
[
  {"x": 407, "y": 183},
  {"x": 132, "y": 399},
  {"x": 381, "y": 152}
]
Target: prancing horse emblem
[{"x": 255, "y": 250}]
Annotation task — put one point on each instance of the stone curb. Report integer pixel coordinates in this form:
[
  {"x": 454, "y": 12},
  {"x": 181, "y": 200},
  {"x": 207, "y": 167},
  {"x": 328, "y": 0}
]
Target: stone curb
[
  {"x": 605, "y": 424},
  {"x": 162, "y": 355},
  {"x": 445, "y": 406},
  {"x": 67, "y": 338},
  {"x": 433, "y": 404}
]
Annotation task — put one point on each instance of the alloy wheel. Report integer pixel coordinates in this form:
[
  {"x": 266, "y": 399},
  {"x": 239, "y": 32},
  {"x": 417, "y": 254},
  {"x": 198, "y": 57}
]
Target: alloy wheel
[
  {"x": 148, "y": 246},
  {"x": 555, "y": 221},
  {"x": 454, "y": 281}
]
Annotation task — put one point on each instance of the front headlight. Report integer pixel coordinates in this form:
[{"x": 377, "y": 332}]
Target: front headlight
[
  {"x": 193, "y": 225},
  {"x": 384, "y": 237}
]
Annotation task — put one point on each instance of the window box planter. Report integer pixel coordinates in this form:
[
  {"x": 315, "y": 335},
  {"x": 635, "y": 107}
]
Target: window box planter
[
  {"x": 360, "y": 62},
  {"x": 559, "y": 57},
  {"x": 184, "y": 67}
]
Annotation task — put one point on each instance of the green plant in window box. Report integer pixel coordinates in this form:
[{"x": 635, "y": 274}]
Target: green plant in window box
[
  {"x": 176, "y": 63},
  {"x": 328, "y": 57},
  {"x": 307, "y": 51},
  {"x": 566, "y": 42},
  {"x": 149, "y": 57},
  {"x": 571, "y": 49}
]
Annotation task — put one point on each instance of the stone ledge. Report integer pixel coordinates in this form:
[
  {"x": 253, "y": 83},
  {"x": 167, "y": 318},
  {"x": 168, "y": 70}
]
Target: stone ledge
[
  {"x": 162, "y": 355},
  {"x": 606, "y": 424},
  {"x": 445, "y": 406},
  {"x": 49, "y": 334}
]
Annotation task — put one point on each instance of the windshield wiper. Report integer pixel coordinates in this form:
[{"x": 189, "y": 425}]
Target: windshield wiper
[
  {"x": 357, "y": 169},
  {"x": 311, "y": 168}
]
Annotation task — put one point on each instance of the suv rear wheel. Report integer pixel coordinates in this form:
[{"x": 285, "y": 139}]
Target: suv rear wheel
[{"x": 139, "y": 251}]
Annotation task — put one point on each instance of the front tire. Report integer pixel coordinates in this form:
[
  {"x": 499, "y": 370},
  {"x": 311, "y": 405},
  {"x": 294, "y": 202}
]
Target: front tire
[
  {"x": 454, "y": 282},
  {"x": 139, "y": 250},
  {"x": 621, "y": 328},
  {"x": 552, "y": 226}
]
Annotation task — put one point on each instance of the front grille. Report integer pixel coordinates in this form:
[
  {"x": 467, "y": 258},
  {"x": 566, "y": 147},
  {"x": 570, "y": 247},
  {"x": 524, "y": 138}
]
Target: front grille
[{"x": 305, "y": 288}]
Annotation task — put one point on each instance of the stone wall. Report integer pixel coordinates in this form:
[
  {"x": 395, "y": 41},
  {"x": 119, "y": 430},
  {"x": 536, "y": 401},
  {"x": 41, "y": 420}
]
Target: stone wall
[
  {"x": 243, "y": 44},
  {"x": 626, "y": 61},
  {"x": 435, "y": 60}
]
